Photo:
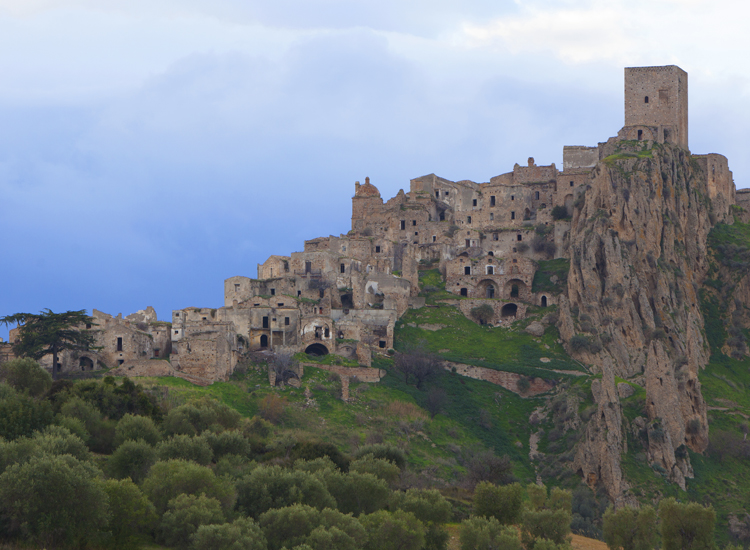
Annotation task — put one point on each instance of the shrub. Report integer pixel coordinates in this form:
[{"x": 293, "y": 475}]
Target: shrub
[
  {"x": 427, "y": 505},
  {"x": 357, "y": 493},
  {"x": 269, "y": 487},
  {"x": 185, "y": 447},
  {"x": 26, "y": 376},
  {"x": 198, "y": 416},
  {"x": 228, "y": 443},
  {"x": 310, "y": 450},
  {"x": 53, "y": 500},
  {"x": 379, "y": 467},
  {"x": 523, "y": 384},
  {"x": 131, "y": 513},
  {"x": 271, "y": 408},
  {"x": 630, "y": 529},
  {"x": 487, "y": 466},
  {"x": 487, "y": 534},
  {"x": 384, "y": 451},
  {"x": 168, "y": 479},
  {"x": 686, "y": 525},
  {"x": 502, "y": 503},
  {"x": 185, "y": 514},
  {"x": 21, "y": 415},
  {"x": 132, "y": 459},
  {"x": 242, "y": 534},
  {"x": 133, "y": 427},
  {"x": 398, "y": 529}
]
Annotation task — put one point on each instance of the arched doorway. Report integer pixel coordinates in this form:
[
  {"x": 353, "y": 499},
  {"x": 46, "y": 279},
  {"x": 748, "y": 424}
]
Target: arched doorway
[
  {"x": 264, "y": 340},
  {"x": 487, "y": 289},
  {"x": 544, "y": 301},
  {"x": 85, "y": 363},
  {"x": 514, "y": 291},
  {"x": 515, "y": 288},
  {"x": 509, "y": 310},
  {"x": 317, "y": 350}
]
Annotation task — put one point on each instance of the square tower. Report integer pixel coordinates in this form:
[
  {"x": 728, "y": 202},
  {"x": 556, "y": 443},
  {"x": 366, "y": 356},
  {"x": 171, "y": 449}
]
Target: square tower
[{"x": 658, "y": 97}]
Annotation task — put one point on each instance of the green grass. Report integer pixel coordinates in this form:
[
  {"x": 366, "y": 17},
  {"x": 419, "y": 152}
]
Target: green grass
[{"x": 547, "y": 268}]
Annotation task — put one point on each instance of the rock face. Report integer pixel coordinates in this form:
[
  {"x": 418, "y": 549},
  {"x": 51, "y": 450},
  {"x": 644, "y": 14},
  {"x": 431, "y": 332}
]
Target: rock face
[{"x": 638, "y": 256}]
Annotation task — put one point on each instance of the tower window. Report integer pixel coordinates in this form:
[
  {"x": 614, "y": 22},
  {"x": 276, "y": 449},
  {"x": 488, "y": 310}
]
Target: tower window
[
  {"x": 434, "y": 238},
  {"x": 273, "y": 292},
  {"x": 571, "y": 184},
  {"x": 467, "y": 270},
  {"x": 403, "y": 224},
  {"x": 437, "y": 194},
  {"x": 512, "y": 215},
  {"x": 377, "y": 250},
  {"x": 512, "y": 197},
  {"x": 536, "y": 195},
  {"x": 492, "y": 200},
  {"x": 343, "y": 268},
  {"x": 414, "y": 222},
  {"x": 645, "y": 99},
  {"x": 640, "y": 135},
  {"x": 518, "y": 237},
  {"x": 474, "y": 202},
  {"x": 468, "y": 219},
  {"x": 286, "y": 320}
]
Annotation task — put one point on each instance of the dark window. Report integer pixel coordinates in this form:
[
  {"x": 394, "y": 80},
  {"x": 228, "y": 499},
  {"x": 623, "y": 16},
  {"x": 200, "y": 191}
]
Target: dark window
[
  {"x": 414, "y": 222},
  {"x": 437, "y": 194},
  {"x": 464, "y": 292},
  {"x": 273, "y": 292},
  {"x": 474, "y": 202},
  {"x": 442, "y": 216},
  {"x": 490, "y": 253},
  {"x": 640, "y": 135},
  {"x": 492, "y": 216},
  {"x": 514, "y": 260},
  {"x": 286, "y": 321},
  {"x": 327, "y": 332},
  {"x": 265, "y": 322},
  {"x": 512, "y": 197},
  {"x": 544, "y": 301},
  {"x": 468, "y": 243},
  {"x": 381, "y": 344},
  {"x": 512, "y": 215},
  {"x": 514, "y": 291},
  {"x": 446, "y": 193},
  {"x": 88, "y": 325},
  {"x": 645, "y": 99},
  {"x": 299, "y": 293},
  {"x": 492, "y": 200},
  {"x": 571, "y": 184},
  {"x": 119, "y": 344},
  {"x": 308, "y": 267},
  {"x": 490, "y": 291},
  {"x": 467, "y": 270},
  {"x": 518, "y": 237},
  {"x": 490, "y": 270},
  {"x": 416, "y": 233},
  {"x": 322, "y": 292},
  {"x": 343, "y": 268},
  {"x": 494, "y": 237},
  {"x": 280, "y": 304},
  {"x": 205, "y": 318},
  {"x": 536, "y": 195},
  {"x": 377, "y": 250},
  {"x": 434, "y": 238},
  {"x": 403, "y": 224},
  {"x": 119, "y": 362},
  {"x": 468, "y": 219}
]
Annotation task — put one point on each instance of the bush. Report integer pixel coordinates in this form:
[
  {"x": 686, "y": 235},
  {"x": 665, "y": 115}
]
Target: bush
[
  {"x": 21, "y": 415},
  {"x": 228, "y": 443},
  {"x": 384, "y": 451},
  {"x": 134, "y": 427},
  {"x": 26, "y": 376},
  {"x": 168, "y": 479},
  {"x": 547, "y": 517},
  {"x": 242, "y": 534},
  {"x": 310, "y": 450},
  {"x": 269, "y": 487},
  {"x": 686, "y": 525},
  {"x": 630, "y": 529},
  {"x": 185, "y": 514},
  {"x": 185, "y": 447},
  {"x": 398, "y": 529},
  {"x": 502, "y": 503},
  {"x": 559, "y": 212},
  {"x": 271, "y": 408},
  {"x": 132, "y": 459},
  {"x": 357, "y": 493},
  {"x": 131, "y": 513},
  {"x": 487, "y": 466},
  {"x": 427, "y": 505},
  {"x": 487, "y": 534},
  {"x": 53, "y": 500},
  {"x": 200, "y": 415},
  {"x": 379, "y": 467}
]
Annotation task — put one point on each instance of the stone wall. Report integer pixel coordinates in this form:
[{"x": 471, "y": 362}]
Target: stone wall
[{"x": 507, "y": 380}]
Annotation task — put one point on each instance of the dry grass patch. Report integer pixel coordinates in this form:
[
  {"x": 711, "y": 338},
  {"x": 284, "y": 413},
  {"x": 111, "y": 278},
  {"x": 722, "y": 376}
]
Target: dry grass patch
[{"x": 405, "y": 410}]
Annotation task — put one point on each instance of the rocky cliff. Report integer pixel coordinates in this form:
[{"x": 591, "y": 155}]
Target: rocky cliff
[{"x": 638, "y": 248}]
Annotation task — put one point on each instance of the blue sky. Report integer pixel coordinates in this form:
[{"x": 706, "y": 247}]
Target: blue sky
[{"x": 149, "y": 149}]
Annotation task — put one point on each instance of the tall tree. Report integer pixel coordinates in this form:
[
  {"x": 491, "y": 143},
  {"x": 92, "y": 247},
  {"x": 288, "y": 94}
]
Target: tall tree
[{"x": 48, "y": 333}]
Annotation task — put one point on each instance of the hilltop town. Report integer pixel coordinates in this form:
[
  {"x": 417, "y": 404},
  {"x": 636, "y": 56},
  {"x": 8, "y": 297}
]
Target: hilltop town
[{"x": 344, "y": 294}]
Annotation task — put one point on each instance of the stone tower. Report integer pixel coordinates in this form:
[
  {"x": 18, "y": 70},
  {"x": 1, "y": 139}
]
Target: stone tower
[{"x": 657, "y": 97}]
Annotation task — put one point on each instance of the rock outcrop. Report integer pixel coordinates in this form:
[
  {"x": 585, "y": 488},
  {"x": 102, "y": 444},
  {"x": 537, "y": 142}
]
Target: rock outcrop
[{"x": 638, "y": 248}]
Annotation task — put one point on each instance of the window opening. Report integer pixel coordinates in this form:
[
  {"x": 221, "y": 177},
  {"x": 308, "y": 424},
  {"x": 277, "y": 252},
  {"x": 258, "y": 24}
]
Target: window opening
[
  {"x": 571, "y": 184},
  {"x": 403, "y": 224},
  {"x": 265, "y": 322},
  {"x": 490, "y": 270},
  {"x": 467, "y": 270},
  {"x": 544, "y": 301},
  {"x": 119, "y": 343},
  {"x": 343, "y": 268},
  {"x": 308, "y": 267},
  {"x": 464, "y": 292},
  {"x": 437, "y": 194},
  {"x": 327, "y": 333},
  {"x": 518, "y": 237},
  {"x": 468, "y": 219},
  {"x": 434, "y": 238},
  {"x": 492, "y": 216},
  {"x": 286, "y": 321},
  {"x": 381, "y": 344},
  {"x": 495, "y": 237},
  {"x": 492, "y": 200},
  {"x": 640, "y": 135},
  {"x": 377, "y": 250},
  {"x": 273, "y": 292},
  {"x": 414, "y": 222},
  {"x": 263, "y": 341},
  {"x": 536, "y": 195},
  {"x": 490, "y": 291},
  {"x": 512, "y": 215},
  {"x": 474, "y": 202},
  {"x": 514, "y": 291},
  {"x": 645, "y": 99}
]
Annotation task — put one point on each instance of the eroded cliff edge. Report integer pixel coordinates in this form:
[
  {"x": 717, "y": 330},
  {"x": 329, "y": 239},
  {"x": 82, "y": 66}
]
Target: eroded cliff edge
[{"x": 638, "y": 249}]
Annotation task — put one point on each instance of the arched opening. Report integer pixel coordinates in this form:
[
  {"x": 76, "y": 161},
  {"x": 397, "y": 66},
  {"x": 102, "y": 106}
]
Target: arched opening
[
  {"x": 509, "y": 310},
  {"x": 515, "y": 288},
  {"x": 486, "y": 289},
  {"x": 317, "y": 350},
  {"x": 544, "y": 301},
  {"x": 264, "y": 340},
  {"x": 490, "y": 253},
  {"x": 85, "y": 363}
]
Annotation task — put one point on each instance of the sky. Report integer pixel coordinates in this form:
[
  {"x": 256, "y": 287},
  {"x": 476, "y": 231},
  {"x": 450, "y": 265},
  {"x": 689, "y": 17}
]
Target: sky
[{"x": 150, "y": 149}]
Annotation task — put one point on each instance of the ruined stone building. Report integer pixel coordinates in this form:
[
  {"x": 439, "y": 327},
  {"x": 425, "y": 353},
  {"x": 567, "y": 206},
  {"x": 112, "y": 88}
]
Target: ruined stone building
[{"x": 343, "y": 294}]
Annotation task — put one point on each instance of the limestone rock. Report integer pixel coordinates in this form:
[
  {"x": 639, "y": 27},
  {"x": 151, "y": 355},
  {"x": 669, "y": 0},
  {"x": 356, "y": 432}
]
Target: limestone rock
[
  {"x": 625, "y": 390},
  {"x": 535, "y": 328}
]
